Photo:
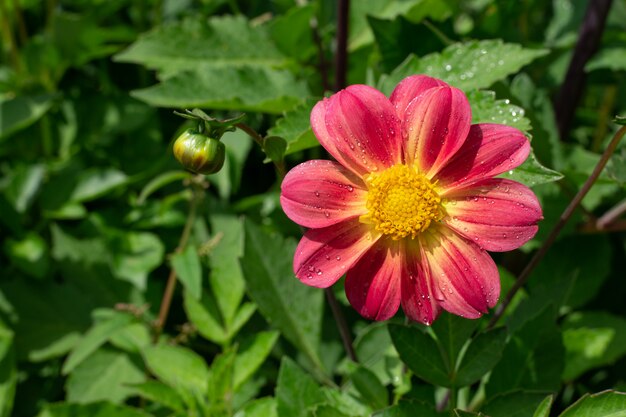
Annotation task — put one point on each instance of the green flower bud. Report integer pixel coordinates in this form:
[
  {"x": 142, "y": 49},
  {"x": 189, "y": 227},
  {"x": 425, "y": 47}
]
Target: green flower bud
[{"x": 199, "y": 153}]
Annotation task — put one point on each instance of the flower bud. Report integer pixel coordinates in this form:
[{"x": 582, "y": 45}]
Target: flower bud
[{"x": 199, "y": 153}]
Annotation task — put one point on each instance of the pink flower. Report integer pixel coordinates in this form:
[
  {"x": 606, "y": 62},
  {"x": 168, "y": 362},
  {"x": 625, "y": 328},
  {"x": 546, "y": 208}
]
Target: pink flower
[{"x": 411, "y": 206}]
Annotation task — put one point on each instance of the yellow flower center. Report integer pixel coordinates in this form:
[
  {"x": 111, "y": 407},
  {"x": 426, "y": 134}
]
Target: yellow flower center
[{"x": 401, "y": 202}]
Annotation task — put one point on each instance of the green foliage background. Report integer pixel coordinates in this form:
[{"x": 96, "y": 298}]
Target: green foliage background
[{"x": 93, "y": 205}]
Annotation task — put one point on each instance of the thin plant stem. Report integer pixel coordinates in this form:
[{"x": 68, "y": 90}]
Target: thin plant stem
[
  {"x": 342, "y": 325},
  {"x": 21, "y": 25},
  {"x": 611, "y": 215},
  {"x": 322, "y": 64},
  {"x": 341, "y": 55},
  {"x": 281, "y": 171},
  {"x": 567, "y": 214},
  {"x": 7, "y": 34},
  {"x": 589, "y": 38},
  {"x": 168, "y": 294}
]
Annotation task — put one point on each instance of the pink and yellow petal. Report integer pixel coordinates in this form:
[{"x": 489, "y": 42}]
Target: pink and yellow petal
[
  {"x": 373, "y": 283},
  {"x": 321, "y": 193},
  {"x": 358, "y": 126},
  {"x": 435, "y": 125},
  {"x": 497, "y": 214},
  {"x": 465, "y": 278},
  {"x": 418, "y": 300},
  {"x": 490, "y": 149},
  {"x": 410, "y": 88},
  {"x": 324, "y": 255}
]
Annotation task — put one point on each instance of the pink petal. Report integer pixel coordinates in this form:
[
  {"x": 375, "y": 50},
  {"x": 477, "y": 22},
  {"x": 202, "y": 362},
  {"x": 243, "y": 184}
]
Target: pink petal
[
  {"x": 373, "y": 284},
  {"x": 409, "y": 88},
  {"x": 498, "y": 214},
  {"x": 418, "y": 300},
  {"x": 466, "y": 280},
  {"x": 489, "y": 150},
  {"x": 358, "y": 126},
  {"x": 435, "y": 124},
  {"x": 322, "y": 193},
  {"x": 324, "y": 255}
]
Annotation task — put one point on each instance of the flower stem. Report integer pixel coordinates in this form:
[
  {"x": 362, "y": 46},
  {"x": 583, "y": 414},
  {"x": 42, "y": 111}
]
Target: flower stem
[
  {"x": 611, "y": 215},
  {"x": 281, "y": 171},
  {"x": 588, "y": 40},
  {"x": 342, "y": 325},
  {"x": 341, "y": 56},
  {"x": 168, "y": 294},
  {"x": 538, "y": 256}
]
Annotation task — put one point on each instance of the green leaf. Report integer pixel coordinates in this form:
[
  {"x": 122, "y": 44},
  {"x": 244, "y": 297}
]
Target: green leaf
[
  {"x": 415, "y": 10},
  {"x": 160, "y": 393},
  {"x": 205, "y": 317},
  {"x": 295, "y": 128},
  {"x": 452, "y": 333},
  {"x": 94, "y": 338},
  {"x": 99, "y": 409},
  {"x": 461, "y": 413},
  {"x": 602, "y": 404},
  {"x": 220, "y": 381},
  {"x": 469, "y": 66},
  {"x": 251, "y": 355},
  {"x": 134, "y": 255},
  {"x": 226, "y": 278},
  {"x": 262, "y": 407},
  {"x": 486, "y": 109},
  {"x": 228, "y": 41},
  {"x": 189, "y": 270},
  {"x": 105, "y": 375},
  {"x": 24, "y": 185},
  {"x": 274, "y": 147},
  {"x": 620, "y": 120},
  {"x": 49, "y": 326},
  {"x": 254, "y": 89},
  {"x": 291, "y": 306},
  {"x": 532, "y": 359},
  {"x": 292, "y": 32},
  {"x": 543, "y": 410},
  {"x": 407, "y": 409},
  {"x": 532, "y": 173},
  {"x": 178, "y": 367},
  {"x": 592, "y": 340},
  {"x": 22, "y": 111},
  {"x": 8, "y": 371},
  {"x": 31, "y": 254},
  {"x": 161, "y": 181},
  {"x": 613, "y": 59},
  {"x": 228, "y": 179},
  {"x": 132, "y": 338},
  {"x": 372, "y": 391},
  {"x": 515, "y": 404},
  {"x": 296, "y": 392},
  {"x": 420, "y": 353},
  {"x": 375, "y": 350},
  {"x": 564, "y": 261},
  {"x": 483, "y": 353},
  {"x": 96, "y": 182}
]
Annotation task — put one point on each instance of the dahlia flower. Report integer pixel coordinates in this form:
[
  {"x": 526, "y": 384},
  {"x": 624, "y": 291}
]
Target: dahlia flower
[{"x": 411, "y": 206}]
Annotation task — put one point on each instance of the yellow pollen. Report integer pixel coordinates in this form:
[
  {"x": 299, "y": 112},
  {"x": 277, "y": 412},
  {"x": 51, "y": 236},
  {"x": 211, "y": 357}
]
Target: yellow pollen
[{"x": 401, "y": 202}]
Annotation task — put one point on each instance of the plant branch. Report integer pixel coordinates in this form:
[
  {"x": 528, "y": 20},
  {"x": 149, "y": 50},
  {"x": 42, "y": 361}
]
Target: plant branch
[
  {"x": 342, "y": 325},
  {"x": 321, "y": 58},
  {"x": 588, "y": 41},
  {"x": 341, "y": 55},
  {"x": 611, "y": 215},
  {"x": 168, "y": 294},
  {"x": 538, "y": 256},
  {"x": 281, "y": 171}
]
